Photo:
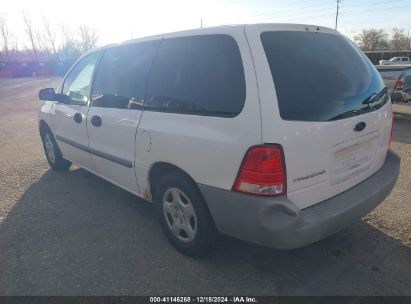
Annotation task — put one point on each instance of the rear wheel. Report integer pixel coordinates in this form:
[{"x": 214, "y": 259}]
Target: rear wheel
[
  {"x": 53, "y": 153},
  {"x": 184, "y": 216}
]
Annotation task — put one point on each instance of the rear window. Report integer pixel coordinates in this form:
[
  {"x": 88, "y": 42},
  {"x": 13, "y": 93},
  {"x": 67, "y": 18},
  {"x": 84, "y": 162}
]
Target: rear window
[{"x": 321, "y": 77}]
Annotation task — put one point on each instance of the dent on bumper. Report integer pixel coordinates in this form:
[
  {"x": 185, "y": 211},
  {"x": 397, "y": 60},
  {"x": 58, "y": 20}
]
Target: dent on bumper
[{"x": 276, "y": 222}]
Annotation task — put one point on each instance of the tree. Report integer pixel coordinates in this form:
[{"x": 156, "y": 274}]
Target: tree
[
  {"x": 88, "y": 38},
  {"x": 371, "y": 40},
  {"x": 30, "y": 32},
  {"x": 4, "y": 32},
  {"x": 399, "y": 41},
  {"x": 41, "y": 40},
  {"x": 14, "y": 51},
  {"x": 70, "y": 46},
  {"x": 50, "y": 34}
]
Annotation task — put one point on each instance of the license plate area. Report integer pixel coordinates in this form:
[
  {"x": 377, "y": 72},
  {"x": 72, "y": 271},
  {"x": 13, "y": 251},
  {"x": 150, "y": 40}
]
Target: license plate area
[{"x": 352, "y": 159}]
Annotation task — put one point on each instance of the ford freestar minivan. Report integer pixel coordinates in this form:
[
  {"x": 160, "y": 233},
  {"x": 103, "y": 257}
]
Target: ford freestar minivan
[{"x": 277, "y": 134}]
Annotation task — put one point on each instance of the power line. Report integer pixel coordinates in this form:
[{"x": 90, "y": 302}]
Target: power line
[
  {"x": 314, "y": 11},
  {"x": 374, "y": 3},
  {"x": 341, "y": 12},
  {"x": 289, "y": 12},
  {"x": 374, "y": 10},
  {"x": 298, "y": 9},
  {"x": 293, "y": 19},
  {"x": 301, "y": 14},
  {"x": 307, "y": 10}
]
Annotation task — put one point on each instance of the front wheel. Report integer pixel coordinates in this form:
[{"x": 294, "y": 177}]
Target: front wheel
[
  {"x": 53, "y": 153},
  {"x": 184, "y": 216}
]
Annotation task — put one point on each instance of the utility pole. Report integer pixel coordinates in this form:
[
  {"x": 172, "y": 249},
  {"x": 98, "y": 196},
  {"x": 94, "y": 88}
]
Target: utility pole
[
  {"x": 201, "y": 22},
  {"x": 337, "y": 12}
]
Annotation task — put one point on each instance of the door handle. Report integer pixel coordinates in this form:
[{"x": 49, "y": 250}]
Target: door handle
[
  {"x": 96, "y": 121},
  {"x": 78, "y": 118}
]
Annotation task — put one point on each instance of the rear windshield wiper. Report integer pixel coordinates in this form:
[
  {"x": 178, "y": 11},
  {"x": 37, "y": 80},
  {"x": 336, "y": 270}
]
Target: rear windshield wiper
[
  {"x": 348, "y": 114},
  {"x": 370, "y": 99},
  {"x": 367, "y": 107}
]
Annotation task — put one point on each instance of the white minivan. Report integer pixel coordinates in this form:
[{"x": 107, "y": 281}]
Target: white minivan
[{"x": 277, "y": 134}]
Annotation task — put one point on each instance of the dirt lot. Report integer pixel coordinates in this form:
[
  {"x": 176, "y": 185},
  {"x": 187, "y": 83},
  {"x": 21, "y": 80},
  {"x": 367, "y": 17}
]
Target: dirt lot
[{"x": 74, "y": 234}]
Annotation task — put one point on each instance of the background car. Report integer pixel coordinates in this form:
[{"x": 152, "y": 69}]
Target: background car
[
  {"x": 397, "y": 79},
  {"x": 395, "y": 60}
]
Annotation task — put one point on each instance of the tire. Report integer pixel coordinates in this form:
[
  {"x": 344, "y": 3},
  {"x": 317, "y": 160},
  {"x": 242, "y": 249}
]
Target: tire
[
  {"x": 53, "y": 153},
  {"x": 184, "y": 216}
]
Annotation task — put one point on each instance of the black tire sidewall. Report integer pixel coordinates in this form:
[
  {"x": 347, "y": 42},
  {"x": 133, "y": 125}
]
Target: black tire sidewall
[
  {"x": 45, "y": 149},
  {"x": 59, "y": 163},
  {"x": 206, "y": 232}
]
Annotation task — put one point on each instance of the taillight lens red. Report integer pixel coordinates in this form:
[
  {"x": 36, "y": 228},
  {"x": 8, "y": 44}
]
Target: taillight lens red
[
  {"x": 399, "y": 84},
  {"x": 262, "y": 172},
  {"x": 392, "y": 128}
]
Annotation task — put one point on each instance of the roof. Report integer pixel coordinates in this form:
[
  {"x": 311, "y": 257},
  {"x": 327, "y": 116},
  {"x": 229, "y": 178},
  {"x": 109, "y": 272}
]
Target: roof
[{"x": 223, "y": 29}]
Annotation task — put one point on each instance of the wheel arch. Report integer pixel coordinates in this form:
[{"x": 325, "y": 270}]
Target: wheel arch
[{"x": 158, "y": 170}]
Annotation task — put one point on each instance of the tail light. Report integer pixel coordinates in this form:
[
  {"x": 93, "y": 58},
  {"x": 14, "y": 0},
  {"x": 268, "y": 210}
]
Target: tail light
[
  {"x": 399, "y": 84},
  {"x": 392, "y": 128},
  {"x": 262, "y": 172}
]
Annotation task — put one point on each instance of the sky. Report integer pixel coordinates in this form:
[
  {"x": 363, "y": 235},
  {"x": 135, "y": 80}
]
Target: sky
[{"x": 119, "y": 20}]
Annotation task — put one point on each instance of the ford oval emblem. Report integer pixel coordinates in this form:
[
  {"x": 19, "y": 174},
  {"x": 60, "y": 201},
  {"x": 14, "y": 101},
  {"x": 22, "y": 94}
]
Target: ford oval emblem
[{"x": 359, "y": 126}]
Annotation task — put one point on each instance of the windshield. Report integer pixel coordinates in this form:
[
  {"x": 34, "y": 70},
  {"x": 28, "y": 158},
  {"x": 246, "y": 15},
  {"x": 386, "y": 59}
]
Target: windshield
[{"x": 321, "y": 77}]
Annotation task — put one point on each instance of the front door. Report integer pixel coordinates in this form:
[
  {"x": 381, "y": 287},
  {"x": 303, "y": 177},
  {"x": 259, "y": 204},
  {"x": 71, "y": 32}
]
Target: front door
[
  {"x": 116, "y": 109},
  {"x": 69, "y": 119}
]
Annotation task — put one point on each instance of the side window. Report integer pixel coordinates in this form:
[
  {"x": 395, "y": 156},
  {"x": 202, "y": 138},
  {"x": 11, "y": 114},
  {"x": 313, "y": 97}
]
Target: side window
[
  {"x": 77, "y": 84},
  {"x": 121, "y": 77},
  {"x": 201, "y": 75}
]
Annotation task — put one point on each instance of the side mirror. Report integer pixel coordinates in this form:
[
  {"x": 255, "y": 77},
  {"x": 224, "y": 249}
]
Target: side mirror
[{"x": 47, "y": 94}]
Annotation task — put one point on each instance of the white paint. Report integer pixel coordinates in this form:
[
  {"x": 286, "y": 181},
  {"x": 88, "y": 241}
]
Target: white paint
[{"x": 211, "y": 149}]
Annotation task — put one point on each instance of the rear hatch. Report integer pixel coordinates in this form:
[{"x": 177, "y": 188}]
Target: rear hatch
[{"x": 325, "y": 103}]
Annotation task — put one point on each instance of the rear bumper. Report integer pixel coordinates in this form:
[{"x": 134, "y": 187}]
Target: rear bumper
[{"x": 278, "y": 223}]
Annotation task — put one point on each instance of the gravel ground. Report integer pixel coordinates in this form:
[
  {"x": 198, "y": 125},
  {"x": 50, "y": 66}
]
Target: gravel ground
[
  {"x": 393, "y": 217},
  {"x": 72, "y": 233}
]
